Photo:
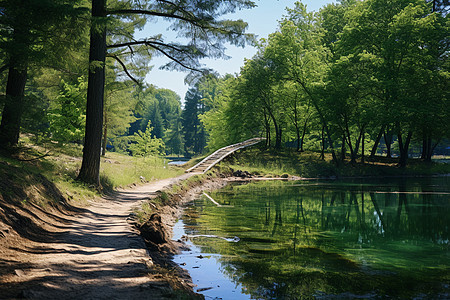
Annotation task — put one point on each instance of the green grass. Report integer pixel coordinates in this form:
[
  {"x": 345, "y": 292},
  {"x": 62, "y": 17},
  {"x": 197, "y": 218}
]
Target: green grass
[
  {"x": 280, "y": 164},
  {"x": 121, "y": 170},
  {"x": 167, "y": 197},
  {"x": 286, "y": 163},
  {"x": 60, "y": 164}
]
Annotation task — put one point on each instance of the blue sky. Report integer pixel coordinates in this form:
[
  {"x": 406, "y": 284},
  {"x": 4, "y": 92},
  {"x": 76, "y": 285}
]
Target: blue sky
[{"x": 262, "y": 21}]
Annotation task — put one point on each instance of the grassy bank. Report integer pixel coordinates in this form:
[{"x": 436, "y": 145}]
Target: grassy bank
[
  {"x": 60, "y": 165},
  {"x": 287, "y": 163}
]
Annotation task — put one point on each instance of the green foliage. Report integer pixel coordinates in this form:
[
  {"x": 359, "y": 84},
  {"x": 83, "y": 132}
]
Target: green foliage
[
  {"x": 145, "y": 144},
  {"x": 341, "y": 79},
  {"x": 162, "y": 107},
  {"x": 194, "y": 133},
  {"x": 40, "y": 32},
  {"x": 67, "y": 117}
]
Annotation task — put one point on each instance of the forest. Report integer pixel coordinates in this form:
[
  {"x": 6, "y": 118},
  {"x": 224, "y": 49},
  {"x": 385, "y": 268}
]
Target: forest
[{"x": 355, "y": 79}]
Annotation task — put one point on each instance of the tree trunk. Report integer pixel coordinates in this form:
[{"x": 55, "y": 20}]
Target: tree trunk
[
  {"x": 431, "y": 150},
  {"x": 14, "y": 105},
  {"x": 298, "y": 139},
  {"x": 424, "y": 146},
  {"x": 350, "y": 146},
  {"x": 267, "y": 127},
  {"x": 322, "y": 120},
  {"x": 105, "y": 136},
  {"x": 404, "y": 147},
  {"x": 278, "y": 137},
  {"x": 388, "y": 142},
  {"x": 90, "y": 167},
  {"x": 377, "y": 141},
  {"x": 358, "y": 143},
  {"x": 277, "y": 131},
  {"x": 343, "y": 150},
  {"x": 322, "y": 154},
  {"x": 305, "y": 127},
  {"x": 362, "y": 146}
]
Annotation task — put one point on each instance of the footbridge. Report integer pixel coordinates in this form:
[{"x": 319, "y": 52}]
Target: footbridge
[{"x": 211, "y": 160}]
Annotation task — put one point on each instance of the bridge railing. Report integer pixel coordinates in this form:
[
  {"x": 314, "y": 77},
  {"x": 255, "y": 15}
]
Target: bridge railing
[{"x": 233, "y": 148}]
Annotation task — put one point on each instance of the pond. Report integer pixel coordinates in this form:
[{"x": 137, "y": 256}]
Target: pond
[{"x": 321, "y": 239}]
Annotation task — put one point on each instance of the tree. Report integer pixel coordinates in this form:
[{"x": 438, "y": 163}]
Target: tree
[
  {"x": 90, "y": 166},
  {"x": 194, "y": 133},
  {"x": 34, "y": 33},
  {"x": 197, "y": 21},
  {"x": 67, "y": 118},
  {"x": 118, "y": 115},
  {"x": 145, "y": 144},
  {"x": 174, "y": 134},
  {"x": 232, "y": 117},
  {"x": 299, "y": 57},
  {"x": 400, "y": 35}
]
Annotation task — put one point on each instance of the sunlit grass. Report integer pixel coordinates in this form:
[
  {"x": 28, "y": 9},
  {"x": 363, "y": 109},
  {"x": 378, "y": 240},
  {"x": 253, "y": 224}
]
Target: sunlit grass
[
  {"x": 121, "y": 170},
  {"x": 60, "y": 164},
  {"x": 281, "y": 163},
  {"x": 285, "y": 163}
]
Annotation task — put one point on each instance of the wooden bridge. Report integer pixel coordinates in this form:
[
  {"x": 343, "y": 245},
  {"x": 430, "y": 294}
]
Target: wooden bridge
[{"x": 220, "y": 154}]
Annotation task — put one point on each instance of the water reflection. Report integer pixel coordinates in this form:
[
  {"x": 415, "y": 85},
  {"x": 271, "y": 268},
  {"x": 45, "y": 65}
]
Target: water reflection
[{"x": 331, "y": 239}]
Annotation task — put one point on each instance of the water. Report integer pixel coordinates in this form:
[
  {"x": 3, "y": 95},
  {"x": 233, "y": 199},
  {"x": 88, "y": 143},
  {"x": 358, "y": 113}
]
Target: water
[
  {"x": 321, "y": 240},
  {"x": 177, "y": 162}
]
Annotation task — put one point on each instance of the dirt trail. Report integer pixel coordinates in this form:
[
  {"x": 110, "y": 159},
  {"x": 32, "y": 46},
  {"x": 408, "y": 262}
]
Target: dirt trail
[{"x": 97, "y": 256}]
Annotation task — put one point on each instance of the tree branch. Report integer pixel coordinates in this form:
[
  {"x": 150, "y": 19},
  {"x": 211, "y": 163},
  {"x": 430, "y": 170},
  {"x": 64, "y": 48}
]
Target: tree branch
[
  {"x": 124, "y": 68},
  {"x": 155, "y": 45},
  {"x": 174, "y": 59},
  {"x": 152, "y": 13},
  {"x": 3, "y": 68}
]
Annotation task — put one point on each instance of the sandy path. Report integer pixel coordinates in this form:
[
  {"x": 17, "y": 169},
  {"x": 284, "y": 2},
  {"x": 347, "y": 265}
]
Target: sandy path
[{"x": 98, "y": 256}]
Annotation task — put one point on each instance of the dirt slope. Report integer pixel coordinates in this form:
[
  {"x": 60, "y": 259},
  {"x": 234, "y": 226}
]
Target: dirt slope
[{"x": 95, "y": 254}]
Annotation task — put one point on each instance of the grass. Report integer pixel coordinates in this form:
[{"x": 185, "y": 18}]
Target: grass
[
  {"x": 285, "y": 163},
  {"x": 167, "y": 197},
  {"x": 118, "y": 170},
  {"x": 269, "y": 163},
  {"x": 60, "y": 165}
]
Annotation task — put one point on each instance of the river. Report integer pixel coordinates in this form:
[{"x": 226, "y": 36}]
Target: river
[{"x": 343, "y": 239}]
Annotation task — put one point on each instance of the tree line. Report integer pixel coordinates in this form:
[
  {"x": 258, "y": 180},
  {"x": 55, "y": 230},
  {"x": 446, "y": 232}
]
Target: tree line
[
  {"x": 354, "y": 78},
  {"x": 73, "y": 69}
]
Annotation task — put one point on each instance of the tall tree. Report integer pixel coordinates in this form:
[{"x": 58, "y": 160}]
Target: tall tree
[
  {"x": 34, "y": 33},
  {"x": 197, "y": 21},
  {"x": 193, "y": 130},
  {"x": 90, "y": 167}
]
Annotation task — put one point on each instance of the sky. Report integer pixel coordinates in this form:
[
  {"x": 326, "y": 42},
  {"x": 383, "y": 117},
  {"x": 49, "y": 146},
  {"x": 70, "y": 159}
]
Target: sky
[{"x": 262, "y": 20}]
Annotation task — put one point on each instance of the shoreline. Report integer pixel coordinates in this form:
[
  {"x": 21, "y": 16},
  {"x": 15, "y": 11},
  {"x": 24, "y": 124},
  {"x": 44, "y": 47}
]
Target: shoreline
[{"x": 171, "y": 216}]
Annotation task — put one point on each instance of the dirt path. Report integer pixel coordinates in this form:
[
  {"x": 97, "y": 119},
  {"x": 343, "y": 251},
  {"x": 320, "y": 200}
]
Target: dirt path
[{"x": 97, "y": 256}]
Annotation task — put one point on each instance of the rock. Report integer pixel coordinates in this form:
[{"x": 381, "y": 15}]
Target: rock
[
  {"x": 153, "y": 230},
  {"x": 242, "y": 174},
  {"x": 19, "y": 273}
]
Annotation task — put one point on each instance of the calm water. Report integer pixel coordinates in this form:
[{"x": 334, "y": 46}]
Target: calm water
[{"x": 322, "y": 240}]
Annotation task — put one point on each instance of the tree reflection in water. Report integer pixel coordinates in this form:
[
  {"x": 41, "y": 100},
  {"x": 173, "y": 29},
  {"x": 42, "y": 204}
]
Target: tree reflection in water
[{"x": 349, "y": 238}]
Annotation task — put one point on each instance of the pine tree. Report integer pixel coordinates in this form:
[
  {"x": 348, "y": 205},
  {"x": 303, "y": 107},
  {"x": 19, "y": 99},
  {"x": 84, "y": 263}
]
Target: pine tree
[
  {"x": 34, "y": 33},
  {"x": 193, "y": 130},
  {"x": 197, "y": 21}
]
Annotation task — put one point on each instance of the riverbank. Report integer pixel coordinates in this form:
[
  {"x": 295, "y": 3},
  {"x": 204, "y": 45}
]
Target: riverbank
[{"x": 288, "y": 163}]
